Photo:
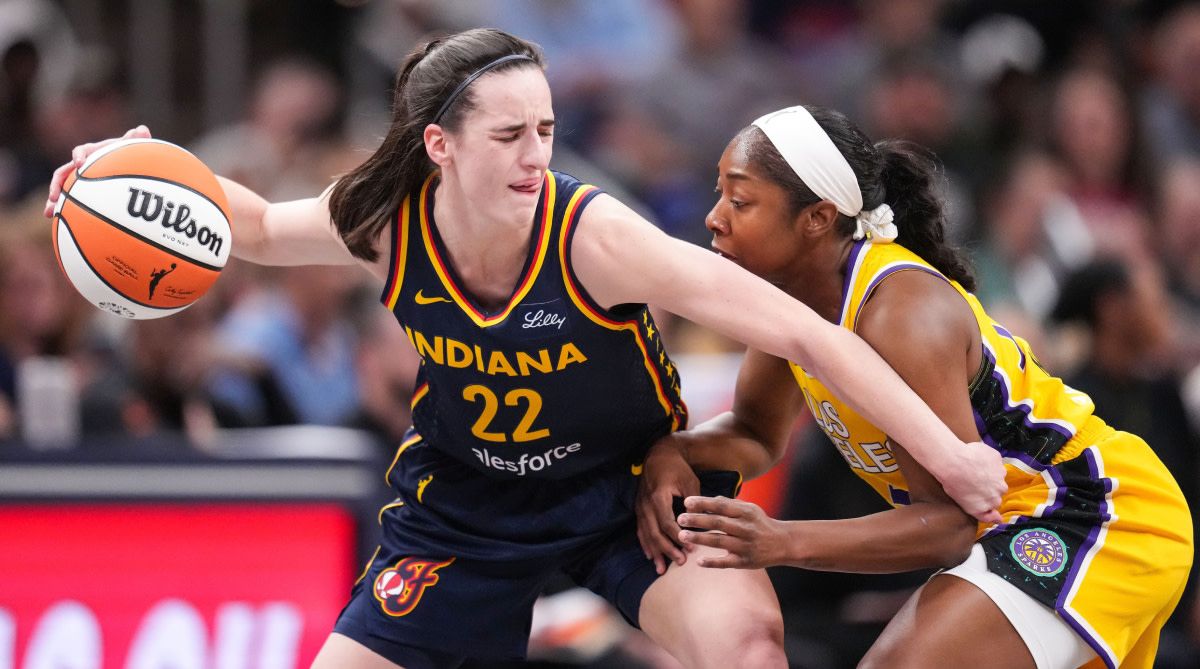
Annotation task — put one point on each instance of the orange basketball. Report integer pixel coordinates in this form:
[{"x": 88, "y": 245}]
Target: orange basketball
[{"x": 142, "y": 229}]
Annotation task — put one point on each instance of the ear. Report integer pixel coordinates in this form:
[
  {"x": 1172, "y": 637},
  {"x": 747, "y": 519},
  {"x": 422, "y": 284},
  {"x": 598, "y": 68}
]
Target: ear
[
  {"x": 818, "y": 219},
  {"x": 437, "y": 144}
]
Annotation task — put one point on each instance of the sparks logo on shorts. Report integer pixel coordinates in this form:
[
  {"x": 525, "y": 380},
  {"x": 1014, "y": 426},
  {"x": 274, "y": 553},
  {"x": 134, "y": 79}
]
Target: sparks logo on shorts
[
  {"x": 1040, "y": 552},
  {"x": 399, "y": 588}
]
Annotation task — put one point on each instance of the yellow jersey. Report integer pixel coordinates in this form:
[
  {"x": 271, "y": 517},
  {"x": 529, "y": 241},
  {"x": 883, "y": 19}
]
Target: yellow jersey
[{"x": 1093, "y": 524}]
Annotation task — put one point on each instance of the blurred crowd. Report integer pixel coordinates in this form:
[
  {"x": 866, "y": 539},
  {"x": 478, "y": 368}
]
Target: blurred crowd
[{"x": 1069, "y": 132}]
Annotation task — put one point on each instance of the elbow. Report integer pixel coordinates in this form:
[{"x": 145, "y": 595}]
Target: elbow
[
  {"x": 775, "y": 455},
  {"x": 947, "y": 535},
  {"x": 760, "y": 463},
  {"x": 959, "y": 541},
  {"x": 765, "y": 446},
  {"x": 775, "y": 450}
]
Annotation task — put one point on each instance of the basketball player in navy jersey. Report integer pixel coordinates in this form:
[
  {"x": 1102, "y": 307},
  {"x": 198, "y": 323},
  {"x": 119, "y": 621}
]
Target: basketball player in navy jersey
[{"x": 543, "y": 379}]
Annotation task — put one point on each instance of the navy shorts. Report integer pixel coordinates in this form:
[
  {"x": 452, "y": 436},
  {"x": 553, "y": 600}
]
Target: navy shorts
[{"x": 463, "y": 557}]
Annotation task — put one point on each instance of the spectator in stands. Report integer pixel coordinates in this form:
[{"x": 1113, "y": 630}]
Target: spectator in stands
[
  {"x": 1095, "y": 139},
  {"x": 1171, "y": 102}
]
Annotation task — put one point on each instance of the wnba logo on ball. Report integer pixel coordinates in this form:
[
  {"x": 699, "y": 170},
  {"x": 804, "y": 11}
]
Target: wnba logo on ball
[
  {"x": 399, "y": 588},
  {"x": 1040, "y": 552},
  {"x": 151, "y": 206}
]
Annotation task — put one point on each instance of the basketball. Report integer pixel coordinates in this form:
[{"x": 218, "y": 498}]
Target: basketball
[{"x": 142, "y": 228}]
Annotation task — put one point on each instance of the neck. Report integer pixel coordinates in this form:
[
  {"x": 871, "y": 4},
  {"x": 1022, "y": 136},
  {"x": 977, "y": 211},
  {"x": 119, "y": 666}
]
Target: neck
[
  {"x": 457, "y": 218},
  {"x": 818, "y": 277},
  {"x": 487, "y": 252}
]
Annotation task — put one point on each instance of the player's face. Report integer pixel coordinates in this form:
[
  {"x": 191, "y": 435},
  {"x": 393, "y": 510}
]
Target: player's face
[
  {"x": 750, "y": 222},
  {"x": 500, "y": 153}
]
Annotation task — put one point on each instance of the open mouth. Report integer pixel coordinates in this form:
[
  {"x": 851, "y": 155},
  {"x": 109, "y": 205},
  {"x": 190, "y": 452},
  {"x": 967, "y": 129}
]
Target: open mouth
[{"x": 723, "y": 254}]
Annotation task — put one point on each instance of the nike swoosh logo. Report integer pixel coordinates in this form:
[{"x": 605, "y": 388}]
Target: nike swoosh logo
[{"x": 421, "y": 299}]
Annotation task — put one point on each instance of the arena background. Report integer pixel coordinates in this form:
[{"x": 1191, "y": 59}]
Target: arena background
[{"x": 200, "y": 491}]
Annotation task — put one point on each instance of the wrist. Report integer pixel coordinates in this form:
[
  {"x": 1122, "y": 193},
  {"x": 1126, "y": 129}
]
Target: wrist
[
  {"x": 796, "y": 552},
  {"x": 941, "y": 462}
]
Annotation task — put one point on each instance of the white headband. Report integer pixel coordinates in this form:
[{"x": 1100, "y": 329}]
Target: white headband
[{"x": 822, "y": 167}]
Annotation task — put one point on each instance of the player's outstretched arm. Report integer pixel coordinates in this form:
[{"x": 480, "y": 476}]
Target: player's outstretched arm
[
  {"x": 286, "y": 233},
  {"x": 621, "y": 258}
]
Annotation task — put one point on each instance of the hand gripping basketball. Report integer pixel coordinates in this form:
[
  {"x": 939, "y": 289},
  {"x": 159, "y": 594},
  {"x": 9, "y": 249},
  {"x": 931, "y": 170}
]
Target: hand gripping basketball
[
  {"x": 78, "y": 156},
  {"x": 141, "y": 225}
]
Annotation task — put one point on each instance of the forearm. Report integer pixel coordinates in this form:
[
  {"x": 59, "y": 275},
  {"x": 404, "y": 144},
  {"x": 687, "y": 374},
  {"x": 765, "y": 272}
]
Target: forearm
[
  {"x": 850, "y": 368},
  {"x": 247, "y": 210},
  {"x": 918, "y": 536},
  {"x": 725, "y": 443},
  {"x": 298, "y": 232}
]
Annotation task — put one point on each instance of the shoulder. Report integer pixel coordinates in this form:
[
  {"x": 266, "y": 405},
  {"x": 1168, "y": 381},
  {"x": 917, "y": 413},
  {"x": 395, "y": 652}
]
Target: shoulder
[
  {"x": 611, "y": 229},
  {"x": 621, "y": 257},
  {"x": 915, "y": 308}
]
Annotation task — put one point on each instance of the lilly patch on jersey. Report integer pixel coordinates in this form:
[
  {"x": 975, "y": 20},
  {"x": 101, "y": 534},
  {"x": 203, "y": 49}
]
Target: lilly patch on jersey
[
  {"x": 1040, "y": 552},
  {"x": 538, "y": 320},
  {"x": 398, "y": 589}
]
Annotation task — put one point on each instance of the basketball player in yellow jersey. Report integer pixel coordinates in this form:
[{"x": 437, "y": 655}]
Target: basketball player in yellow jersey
[{"x": 1096, "y": 541}]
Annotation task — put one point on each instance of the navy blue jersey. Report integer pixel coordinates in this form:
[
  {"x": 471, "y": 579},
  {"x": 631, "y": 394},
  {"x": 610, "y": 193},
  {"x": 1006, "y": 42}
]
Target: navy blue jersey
[{"x": 550, "y": 384}]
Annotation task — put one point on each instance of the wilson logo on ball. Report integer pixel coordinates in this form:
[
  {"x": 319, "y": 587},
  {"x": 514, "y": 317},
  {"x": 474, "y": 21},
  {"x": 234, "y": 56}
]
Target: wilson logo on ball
[{"x": 153, "y": 207}]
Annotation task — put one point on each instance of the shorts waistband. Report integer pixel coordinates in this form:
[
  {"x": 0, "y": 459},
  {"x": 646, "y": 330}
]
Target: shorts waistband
[{"x": 1093, "y": 431}]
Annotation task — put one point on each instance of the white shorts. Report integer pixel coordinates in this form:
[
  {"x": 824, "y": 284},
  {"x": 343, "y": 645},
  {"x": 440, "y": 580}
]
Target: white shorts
[{"x": 1053, "y": 644}]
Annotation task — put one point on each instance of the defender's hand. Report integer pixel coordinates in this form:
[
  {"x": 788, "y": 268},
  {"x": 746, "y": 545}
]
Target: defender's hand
[
  {"x": 665, "y": 475},
  {"x": 751, "y": 537},
  {"x": 78, "y": 156},
  {"x": 974, "y": 479}
]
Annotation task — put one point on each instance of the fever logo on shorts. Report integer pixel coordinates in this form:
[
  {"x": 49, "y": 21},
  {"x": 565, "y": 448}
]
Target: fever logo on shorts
[
  {"x": 1040, "y": 552},
  {"x": 399, "y": 588}
]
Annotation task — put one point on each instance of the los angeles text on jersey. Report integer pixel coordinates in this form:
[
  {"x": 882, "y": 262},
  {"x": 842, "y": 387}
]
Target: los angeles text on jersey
[
  {"x": 526, "y": 463},
  {"x": 441, "y": 350}
]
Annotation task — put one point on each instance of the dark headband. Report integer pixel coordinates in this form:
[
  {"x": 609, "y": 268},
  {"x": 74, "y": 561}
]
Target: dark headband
[{"x": 475, "y": 75}]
